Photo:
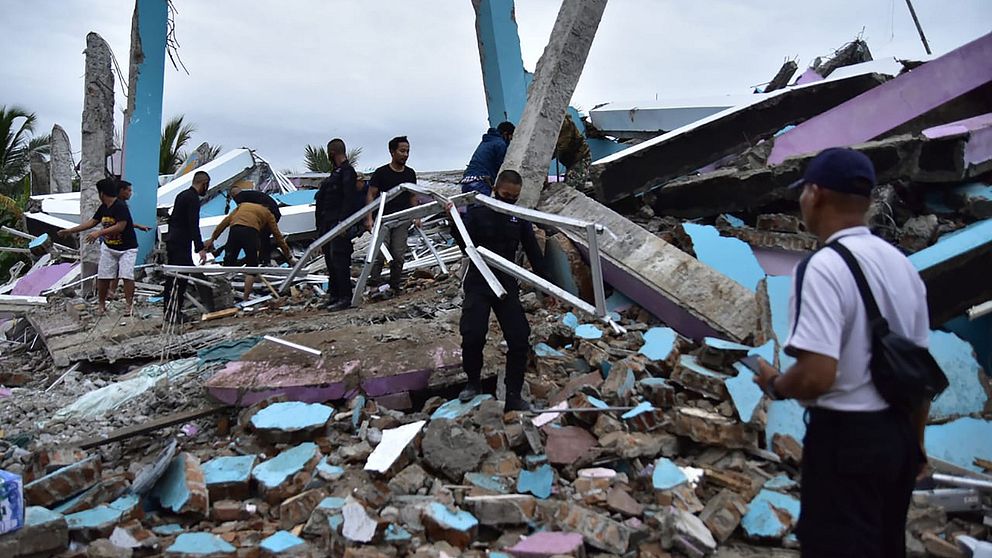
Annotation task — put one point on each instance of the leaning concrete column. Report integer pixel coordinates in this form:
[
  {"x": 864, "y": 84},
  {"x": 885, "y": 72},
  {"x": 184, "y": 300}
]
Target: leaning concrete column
[
  {"x": 98, "y": 139},
  {"x": 557, "y": 74},
  {"x": 143, "y": 118},
  {"x": 61, "y": 162},
  {"x": 503, "y": 74}
]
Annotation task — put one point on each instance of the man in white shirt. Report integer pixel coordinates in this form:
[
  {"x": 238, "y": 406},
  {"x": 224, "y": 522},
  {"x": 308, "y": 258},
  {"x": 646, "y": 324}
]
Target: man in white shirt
[{"x": 860, "y": 457}]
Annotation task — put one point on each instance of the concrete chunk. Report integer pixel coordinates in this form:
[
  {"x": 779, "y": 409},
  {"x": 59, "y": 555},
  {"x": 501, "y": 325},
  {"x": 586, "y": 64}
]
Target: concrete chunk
[
  {"x": 394, "y": 442},
  {"x": 291, "y": 420},
  {"x": 286, "y": 474},
  {"x": 45, "y": 533},
  {"x": 318, "y": 522},
  {"x": 770, "y": 515},
  {"x": 63, "y": 483},
  {"x": 283, "y": 543},
  {"x": 503, "y": 509},
  {"x": 712, "y": 429},
  {"x": 545, "y": 544},
  {"x": 696, "y": 377},
  {"x": 452, "y": 450},
  {"x": 568, "y": 444},
  {"x": 99, "y": 522},
  {"x": 204, "y": 545},
  {"x": 358, "y": 525},
  {"x": 723, "y": 514},
  {"x": 457, "y": 527},
  {"x": 229, "y": 477},
  {"x": 597, "y": 529},
  {"x": 182, "y": 488}
]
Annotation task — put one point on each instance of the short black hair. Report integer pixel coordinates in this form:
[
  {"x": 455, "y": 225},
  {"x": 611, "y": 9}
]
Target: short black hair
[
  {"x": 506, "y": 128},
  {"x": 511, "y": 176},
  {"x": 394, "y": 143},
  {"x": 121, "y": 184},
  {"x": 109, "y": 187},
  {"x": 336, "y": 145},
  {"x": 200, "y": 177}
]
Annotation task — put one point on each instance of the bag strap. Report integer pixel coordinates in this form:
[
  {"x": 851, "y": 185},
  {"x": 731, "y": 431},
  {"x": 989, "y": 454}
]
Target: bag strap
[
  {"x": 875, "y": 317},
  {"x": 800, "y": 274}
]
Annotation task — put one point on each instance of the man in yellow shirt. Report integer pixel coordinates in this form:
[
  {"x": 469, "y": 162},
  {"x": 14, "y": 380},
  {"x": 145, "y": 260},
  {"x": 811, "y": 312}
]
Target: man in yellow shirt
[{"x": 247, "y": 222}]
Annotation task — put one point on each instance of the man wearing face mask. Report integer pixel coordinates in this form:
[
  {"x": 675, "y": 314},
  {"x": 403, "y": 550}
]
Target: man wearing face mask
[
  {"x": 184, "y": 229},
  {"x": 502, "y": 234}
]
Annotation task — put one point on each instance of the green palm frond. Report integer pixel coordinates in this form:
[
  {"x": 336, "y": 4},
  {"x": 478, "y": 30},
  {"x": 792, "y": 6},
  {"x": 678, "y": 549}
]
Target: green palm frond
[{"x": 175, "y": 136}]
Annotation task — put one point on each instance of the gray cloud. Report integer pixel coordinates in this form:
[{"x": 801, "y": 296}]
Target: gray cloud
[{"x": 276, "y": 76}]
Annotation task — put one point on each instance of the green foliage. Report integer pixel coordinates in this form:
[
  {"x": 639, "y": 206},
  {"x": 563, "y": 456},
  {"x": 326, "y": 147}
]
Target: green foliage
[
  {"x": 12, "y": 215},
  {"x": 316, "y": 160},
  {"x": 175, "y": 136},
  {"x": 17, "y": 145}
]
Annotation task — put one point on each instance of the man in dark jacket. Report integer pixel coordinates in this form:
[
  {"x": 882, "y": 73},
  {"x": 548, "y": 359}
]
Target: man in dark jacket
[
  {"x": 247, "y": 195},
  {"x": 337, "y": 198},
  {"x": 487, "y": 159},
  {"x": 184, "y": 229},
  {"x": 502, "y": 234}
]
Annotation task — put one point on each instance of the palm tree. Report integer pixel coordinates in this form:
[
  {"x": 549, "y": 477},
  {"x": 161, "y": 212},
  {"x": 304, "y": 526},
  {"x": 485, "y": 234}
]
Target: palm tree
[
  {"x": 175, "y": 136},
  {"x": 316, "y": 159},
  {"x": 18, "y": 144}
]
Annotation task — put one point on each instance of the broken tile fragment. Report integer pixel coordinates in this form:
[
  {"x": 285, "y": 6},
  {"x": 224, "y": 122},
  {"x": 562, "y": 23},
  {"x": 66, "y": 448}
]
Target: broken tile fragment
[
  {"x": 770, "y": 515},
  {"x": 297, "y": 510},
  {"x": 396, "y": 534},
  {"x": 44, "y": 533},
  {"x": 394, "y": 442},
  {"x": 667, "y": 475},
  {"x": 455, "y": 409},
  {"x": 64, "y": 483},
  {"x": 545, "y": 544},
  {"x": 329, "y": 472},
  {"x": 290, "y": 420},
  {"x": 182, "y": 489},
  {"x": 457, "y": 528},
  {"x": 328, "y": 507},
  {"x": 688, "y": 532},
  {"x": 229, "y": 477},
  {"x": 588, "y": 332},
  {"x": 358, "y": 525},
  {"x": 283, "y": 543},
  {"x": 691, "y": 374},
  {"x": 659, "y": 343},
  {"x": 744, "y": 393},
  {"x": 190, "y": 545},
  {"x": 537, "y": 482},
  {"x": 780, "y": 483},
  {"x": 503, "y": 509},
  {"x": 168, "y": 529},
  {"x": 286, "y": 474},
  {"x": 99, "y": 522}
]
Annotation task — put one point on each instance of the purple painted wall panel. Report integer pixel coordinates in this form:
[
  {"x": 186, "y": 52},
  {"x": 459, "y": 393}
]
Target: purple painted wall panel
[
  {"x": 40, "y": 279},
  {"x": 778, "y": 262},
  {"x": 809, "y": 76},
  {"x": 891, "y": 104}
]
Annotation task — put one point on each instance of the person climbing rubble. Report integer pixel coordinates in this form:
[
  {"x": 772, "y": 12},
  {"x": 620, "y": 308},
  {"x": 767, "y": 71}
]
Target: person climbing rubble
[
  {"x": 386, "y": 178},
  {"x": 248, "y": 222},
  {"x": 487, "y": 159},
  {"x": 502, "y": 234},
  {"x": 243, "y": 192}
]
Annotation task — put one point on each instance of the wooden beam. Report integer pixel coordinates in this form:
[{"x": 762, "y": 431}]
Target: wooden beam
[{"x": 148, "y": 427}]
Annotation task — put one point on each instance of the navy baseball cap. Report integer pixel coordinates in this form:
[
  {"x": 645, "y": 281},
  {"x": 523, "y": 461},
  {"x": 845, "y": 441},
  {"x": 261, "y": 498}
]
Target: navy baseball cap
[{"x": 840, "y": 169}]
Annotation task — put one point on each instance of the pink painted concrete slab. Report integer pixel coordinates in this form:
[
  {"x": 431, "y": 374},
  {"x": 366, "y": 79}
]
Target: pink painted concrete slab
[
  {"x": 41, "y": 279},
  {"x": 547, "y": 543}
]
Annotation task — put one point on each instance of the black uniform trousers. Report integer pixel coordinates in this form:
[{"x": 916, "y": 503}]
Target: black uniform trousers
[
  {"x": 241, "y": 237},
  {"x": 337, "y": 258},
  {"x": 858, "y": 473},
  {"x": 474, "y": 326},
  {"x": 176, "y": 254},
  {"x": 265, "y": 248}
]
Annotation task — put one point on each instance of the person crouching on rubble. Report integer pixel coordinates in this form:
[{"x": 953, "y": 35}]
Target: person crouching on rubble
[
  {"x": 861, "y": 456},
  {"x": 248, "y": 222},
  {"x": 502, "y": 234},
  {"x": 119, "y": 247}
]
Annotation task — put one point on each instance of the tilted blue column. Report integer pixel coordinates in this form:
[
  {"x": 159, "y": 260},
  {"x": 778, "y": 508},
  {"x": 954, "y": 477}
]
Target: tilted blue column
[
  {"x": 503, "y": 72},
  {"x": 143, "y": 123}
]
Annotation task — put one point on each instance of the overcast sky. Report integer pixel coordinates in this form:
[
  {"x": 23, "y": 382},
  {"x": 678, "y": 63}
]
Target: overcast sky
[{"x": 275, "y": 76}]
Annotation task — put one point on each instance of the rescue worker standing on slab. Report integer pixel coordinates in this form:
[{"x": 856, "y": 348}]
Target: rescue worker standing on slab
[
  {"x": 384, "y": 179},
  {"x": 183, "y": 238},
  {"x": 861, "y": 455},
  {"x": 337, "y": 198},
  {"x": 502, "y": 234}
]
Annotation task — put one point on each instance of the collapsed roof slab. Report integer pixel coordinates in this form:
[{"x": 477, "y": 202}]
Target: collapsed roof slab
[
  {"x": 229, "y": 166},
  {"x": 884, "y": 108},
  {"x": 688, "y": 295},
  {"x": 633, "y": 119},
  {"x": 682, "y": 151},
  {"x": 956, "y": 271}
]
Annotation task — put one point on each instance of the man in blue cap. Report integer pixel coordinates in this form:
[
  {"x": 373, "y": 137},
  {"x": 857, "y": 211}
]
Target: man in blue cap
[{"x": 860, "y": 456}]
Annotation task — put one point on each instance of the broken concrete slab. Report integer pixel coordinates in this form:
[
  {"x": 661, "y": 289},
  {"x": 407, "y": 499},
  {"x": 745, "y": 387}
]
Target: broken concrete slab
[
  {"x": 691, "y": 297},
  {"x": 394, "y": 442},
  {"x": 723, "y": 513},
  {"x": 99, "y": 522},
  {"x": 954, "y": 270},
  {"x": 538, "y": 482},
  {"x": 283, "y": 543},
  {"x": 545, "y": 544},
  {"x": 597, "y": 529},
  {"x": 713, "y": 429},
  {"x": 555, "y": 78},
  {"x": 727, "y": 255},
  {"x": 289, "y": 420},
  {"x": 967, "y": 393},
  {"x": 199, "y": 544},
  {"x": 358, "y": 525},
  {"x": 960, "y": 442},
  {"x": 456, "y": 527},
  {"x": 286, "y": 474},
  {"x": 229, "y": 477},
  {"x": 503, "y": 509},
  {"x": 45, "y": 533},
  {"x": 63, "y": 483},
  {"x": 890, "y": 105},
  {"x": 770, "y": 515},
  {"x": 182, "y": 489},
  {"x": 729, "y": 132},
  {"x": 567, "y": 444},
  {"x": 692, "y": 375},
  {"x": 328, "y": 507}
]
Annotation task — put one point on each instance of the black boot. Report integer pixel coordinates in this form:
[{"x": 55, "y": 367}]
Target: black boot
[
  {"x": 469, "y": 392},
  {"x": 514, "y": 402}
]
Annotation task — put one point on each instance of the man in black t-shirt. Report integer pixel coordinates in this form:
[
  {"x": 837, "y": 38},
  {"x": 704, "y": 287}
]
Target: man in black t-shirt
[
  {"x": 120, "y": 244},
  {"x": 384, "y": 179}
]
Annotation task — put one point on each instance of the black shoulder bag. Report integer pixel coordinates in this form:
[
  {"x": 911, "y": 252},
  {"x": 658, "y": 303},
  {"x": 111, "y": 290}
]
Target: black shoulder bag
[{"x": 904, "y": 373}]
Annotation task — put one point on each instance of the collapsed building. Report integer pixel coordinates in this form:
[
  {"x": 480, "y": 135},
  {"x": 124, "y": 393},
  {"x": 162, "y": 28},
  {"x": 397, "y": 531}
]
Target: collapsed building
[{"x": 271, "y": 428}]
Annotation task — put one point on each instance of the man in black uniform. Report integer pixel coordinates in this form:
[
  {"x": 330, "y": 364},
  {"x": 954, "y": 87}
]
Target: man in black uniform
[
  {"x": 337, "y": 198},
  {"x": 502, "y": 234},
  {"x": 184, "y": 228},
  {"x": 246, "y": 195},
  {"x": 384, "y": 179}
]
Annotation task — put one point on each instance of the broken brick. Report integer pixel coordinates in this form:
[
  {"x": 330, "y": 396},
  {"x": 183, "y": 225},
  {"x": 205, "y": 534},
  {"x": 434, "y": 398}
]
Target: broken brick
[
  {"x": 286, "y": 474},
  {"x": 409, "y": 480},
  {"x": 229, "y": 477},
  {"x": 132, "y": 534},
  {"x": 568, "y": 444},
  {"x": 45, "y": 533},
  {"x": 298, "y": 509},
  {"x": 723, "y": 514},
  {"x": 597, "y": 529},
  {"x": 227, "y": 510},
  {"x": 99, "y": 522},
  {"x": 183, "y": 489},
  {"x": 787, "y": 448},
  {"x": 63, "y": 483},
  {"x": 457, "y": 528},
  {"x": 712, "y": 429},
  {"x": 692, "y": 375},
  {"x": 503, "y": 509}
]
